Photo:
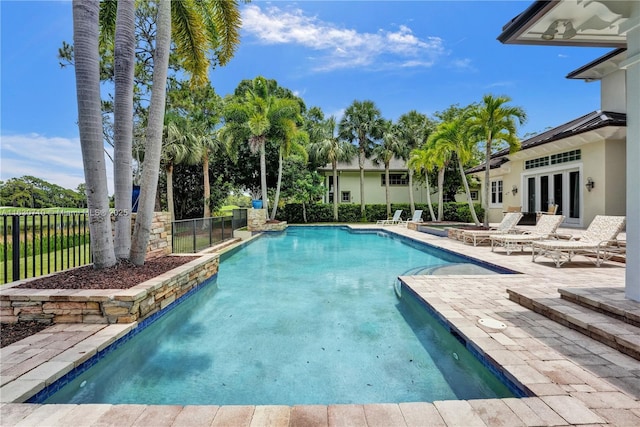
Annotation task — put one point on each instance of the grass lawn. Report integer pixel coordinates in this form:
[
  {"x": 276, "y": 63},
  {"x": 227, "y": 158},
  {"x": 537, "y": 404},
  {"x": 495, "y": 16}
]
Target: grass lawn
[{"x": 51, "y": 262}]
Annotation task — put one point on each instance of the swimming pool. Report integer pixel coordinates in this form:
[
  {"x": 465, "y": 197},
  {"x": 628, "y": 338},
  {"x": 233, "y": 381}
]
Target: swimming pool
[{"x": 308, "y": 316}]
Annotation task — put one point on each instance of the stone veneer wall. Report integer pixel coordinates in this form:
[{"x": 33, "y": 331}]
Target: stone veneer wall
[
  {"x": 104, "y": 306},
  {"x": 160, "y": 235},
  {"x": 257, "y": 221}
]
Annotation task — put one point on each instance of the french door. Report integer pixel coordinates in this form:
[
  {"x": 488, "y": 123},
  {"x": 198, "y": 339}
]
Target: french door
[{"x": 558, "y": 187}]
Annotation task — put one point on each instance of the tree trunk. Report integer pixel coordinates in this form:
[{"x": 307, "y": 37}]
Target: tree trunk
[
  {"x": 87, "y": 68},
  {"x": 440, "y": 193},
  {"x": 172, "y": 209},
  {"x": 263, "y": 175},
  {"x": 207, "y": 184},
  {"x": 153, "y": 145},
  {"x": 361, "y": 165},
  {"x": 412, "y": 204},
  {"x": 275, "y": 202},
  {"x": 336, "y": 191},
  {"x": 386, "y": 188},
  {"x": 124, "y": 57},
  {"x": 485, "y": 201},
  {"x": 468, "y": 193},
  {"x": 426, "y": 178}
]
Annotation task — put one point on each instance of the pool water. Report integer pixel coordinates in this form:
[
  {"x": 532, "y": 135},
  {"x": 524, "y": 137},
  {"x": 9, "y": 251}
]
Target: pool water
[{"x": 308, "y": 316}]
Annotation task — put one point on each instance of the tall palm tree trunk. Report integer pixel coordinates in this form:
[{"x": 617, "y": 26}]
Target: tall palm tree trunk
[
  {"x": 172, "y": 208},
  {"x": 440, "y": 193},
  {"x": 206, "y": 184},
  {"x": 429, "y": 204},
  {"x": 472, "y": 209},
  {"x": 361, "y": 165},
  {"x": 386, "y": 189},
  {"x": 336, "y": 191},
  {"x": 412, "y": 204},
  {"x": 87, "y": 68},
  {"x": 124, "y": 57},
  {"x": 277, "y": 198},
  {"x": 153, "y": 148},
  {"x": 263, "y": 175},
  {"x": 485, "y": 201}
]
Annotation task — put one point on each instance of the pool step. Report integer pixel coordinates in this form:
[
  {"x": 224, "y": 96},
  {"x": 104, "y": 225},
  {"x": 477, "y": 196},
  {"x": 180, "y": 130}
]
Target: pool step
[
  {"x": 610, "y": 301},
  {"x": 615, "y": 333}
]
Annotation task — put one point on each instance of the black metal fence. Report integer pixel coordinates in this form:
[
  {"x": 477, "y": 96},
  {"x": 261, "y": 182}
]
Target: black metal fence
[
  {"x": 194, "y": 235},
  {"x": 34, "y": 244}
]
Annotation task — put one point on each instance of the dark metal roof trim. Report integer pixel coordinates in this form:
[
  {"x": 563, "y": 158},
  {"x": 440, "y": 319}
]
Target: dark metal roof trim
[
  {"x": 512, "y": 29},
  {"x": 595, "y": 62}
]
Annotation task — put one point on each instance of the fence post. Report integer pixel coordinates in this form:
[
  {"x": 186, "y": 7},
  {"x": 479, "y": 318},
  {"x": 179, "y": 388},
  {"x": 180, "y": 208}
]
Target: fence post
[{"x": 15, "y": 235}]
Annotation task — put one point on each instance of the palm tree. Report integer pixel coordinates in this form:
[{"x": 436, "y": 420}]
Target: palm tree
[
  {"x": 87, "y": 69},
  {"x": 420, "y": 159},
  {"x": 180, "y": 146},
  {"x": 492, "y": 121},
  {"x": 414, "y": 128},
  {"x": 452, "y": 136},
  {"x": 362, "y": 125},
  {"x": 197, "y": 28},
  {"x": 329, "y": 148},
  {"x": 292, "y": 140},
  {"x": 258, "y": 115},
  {"x": 124, "y": 64},
  {"x": 390, "y": 147}
]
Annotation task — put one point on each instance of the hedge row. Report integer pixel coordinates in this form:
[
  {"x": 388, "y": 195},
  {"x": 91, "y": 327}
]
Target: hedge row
[{"x": 323, "y": 212}]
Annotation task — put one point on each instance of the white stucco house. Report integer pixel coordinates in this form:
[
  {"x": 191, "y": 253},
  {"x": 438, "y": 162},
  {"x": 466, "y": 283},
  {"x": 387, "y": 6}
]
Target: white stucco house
[{"x": 609, "y": 152}]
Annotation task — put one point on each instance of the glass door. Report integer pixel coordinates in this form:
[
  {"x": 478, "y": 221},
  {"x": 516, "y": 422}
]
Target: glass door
[{"x": 561, "y": 188}]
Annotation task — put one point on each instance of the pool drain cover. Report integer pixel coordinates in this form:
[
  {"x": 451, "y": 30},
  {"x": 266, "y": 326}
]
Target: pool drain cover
[{"x": 492, "y": 323}]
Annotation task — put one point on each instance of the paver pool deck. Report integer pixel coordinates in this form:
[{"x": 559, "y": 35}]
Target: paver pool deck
[{"x": 575, "y": 380}]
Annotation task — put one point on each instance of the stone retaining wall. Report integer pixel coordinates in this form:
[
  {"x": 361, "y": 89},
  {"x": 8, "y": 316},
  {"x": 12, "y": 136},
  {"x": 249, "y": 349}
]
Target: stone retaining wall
[
  {"x": 159, "y": 236},
  {"x": 104, "y": 306}
]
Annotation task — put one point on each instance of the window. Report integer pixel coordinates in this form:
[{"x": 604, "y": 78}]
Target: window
[
  {"x": 496, "y": 193},
  {"x": 474, "y": 195},
  {"x": 346, "y": 196},
  {"x": 396, "y": 179},
  {"x": 554, "y": 159}
]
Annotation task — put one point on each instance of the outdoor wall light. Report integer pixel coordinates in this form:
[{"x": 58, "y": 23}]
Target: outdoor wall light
[
  {"x": 590, "y": 184},
  {"x": 514, "y": 189}
]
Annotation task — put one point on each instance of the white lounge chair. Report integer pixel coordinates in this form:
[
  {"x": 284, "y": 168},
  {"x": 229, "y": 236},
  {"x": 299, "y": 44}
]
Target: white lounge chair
[
  {"x": 599, "y": 241},
  {"x": 395, "y": 219},
  {"x": 508, "y": 225},
  {"x": 417, "y": 217},
  {"x": 545, "y": 228}
]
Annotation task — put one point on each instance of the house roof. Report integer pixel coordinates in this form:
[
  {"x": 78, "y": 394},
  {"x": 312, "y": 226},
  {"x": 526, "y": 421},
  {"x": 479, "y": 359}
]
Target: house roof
[
  {"x": 395, "y": 165},
  {"x": 587, "y": 123},
  {"x": 570, "y": 23}
]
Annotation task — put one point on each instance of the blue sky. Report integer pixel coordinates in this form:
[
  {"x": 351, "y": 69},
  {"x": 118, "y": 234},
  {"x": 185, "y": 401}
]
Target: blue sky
[{"x": 403, "y": 55}]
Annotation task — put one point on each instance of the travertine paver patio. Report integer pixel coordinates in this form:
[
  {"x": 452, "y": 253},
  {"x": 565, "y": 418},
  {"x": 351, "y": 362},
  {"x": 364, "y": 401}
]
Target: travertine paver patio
[{"x": 576, "y": 380}]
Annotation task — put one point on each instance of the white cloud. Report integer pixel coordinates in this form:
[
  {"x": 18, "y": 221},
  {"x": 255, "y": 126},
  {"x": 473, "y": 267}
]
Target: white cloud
[
  {"x": 53, "y": 159},
  {"x": 342, "y": 47}
]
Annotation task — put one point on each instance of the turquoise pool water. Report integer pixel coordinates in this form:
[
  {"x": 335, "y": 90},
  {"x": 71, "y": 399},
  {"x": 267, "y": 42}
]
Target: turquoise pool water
[{"x": 308, "y": 316}]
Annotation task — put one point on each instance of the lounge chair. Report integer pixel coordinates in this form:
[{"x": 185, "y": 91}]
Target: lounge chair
[
  {"x": 551, "y": 210},
  {"x": 393, "y": 220},
  {"x": 417, "y": 217},
  {"x": 599, "y": 241},
  {"x": 508, "y": 225},
  {"x": 545, "y": 228}
]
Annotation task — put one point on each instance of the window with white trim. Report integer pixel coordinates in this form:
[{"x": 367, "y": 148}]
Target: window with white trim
[
  {"x": 346, "y": 197},
  {"x": 496, "y": 193},
  {"x": 395, "y": 179}
]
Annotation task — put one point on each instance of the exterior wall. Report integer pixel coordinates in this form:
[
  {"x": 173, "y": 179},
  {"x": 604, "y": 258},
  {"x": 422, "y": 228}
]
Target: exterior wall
[
  {"x": 613, "y": 92},
  {"x": 374, "y": 191},
  {"x": 615, "y": 178}
]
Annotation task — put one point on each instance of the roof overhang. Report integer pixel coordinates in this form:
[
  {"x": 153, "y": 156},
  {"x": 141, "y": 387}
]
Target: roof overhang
[
  {"x": 597, "y": 23},
  {"x": 601, "y": 67}
]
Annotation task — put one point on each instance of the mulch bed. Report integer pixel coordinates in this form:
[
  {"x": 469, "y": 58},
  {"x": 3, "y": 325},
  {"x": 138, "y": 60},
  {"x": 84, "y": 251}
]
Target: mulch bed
[{"x": 123, "y": 275}]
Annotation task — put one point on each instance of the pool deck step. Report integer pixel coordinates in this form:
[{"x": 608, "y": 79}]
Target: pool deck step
[
  {"x": 606, "y": 300},
  {"x": 612, "y": 331}
]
